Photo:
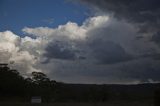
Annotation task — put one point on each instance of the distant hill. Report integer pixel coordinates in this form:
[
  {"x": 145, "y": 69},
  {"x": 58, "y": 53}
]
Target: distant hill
[{"x": 115, "y": 91}]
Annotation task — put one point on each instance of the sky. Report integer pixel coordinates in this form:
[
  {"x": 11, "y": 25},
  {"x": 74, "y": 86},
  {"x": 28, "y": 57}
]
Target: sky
[
  {"x": 83, "y": 41},
  {"x": 50, "y": 13}
]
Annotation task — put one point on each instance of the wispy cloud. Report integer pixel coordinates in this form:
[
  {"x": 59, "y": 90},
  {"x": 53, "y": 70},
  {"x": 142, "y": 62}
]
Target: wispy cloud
[{"x": 48, "y": 21}]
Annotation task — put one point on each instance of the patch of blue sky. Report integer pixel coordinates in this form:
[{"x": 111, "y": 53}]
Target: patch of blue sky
[{"x": 17, "y": 14}]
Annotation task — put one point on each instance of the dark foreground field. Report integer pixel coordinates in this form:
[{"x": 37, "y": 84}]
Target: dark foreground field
[{"x": 119, "y": 103}]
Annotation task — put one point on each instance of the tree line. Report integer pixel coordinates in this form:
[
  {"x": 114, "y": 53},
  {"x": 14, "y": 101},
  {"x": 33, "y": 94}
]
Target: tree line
[{"x": 15, "y": 87}]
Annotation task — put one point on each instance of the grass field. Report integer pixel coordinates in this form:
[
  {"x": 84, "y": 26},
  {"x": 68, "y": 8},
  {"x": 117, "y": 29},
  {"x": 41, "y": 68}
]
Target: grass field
[{"x": 121, "y": 103}]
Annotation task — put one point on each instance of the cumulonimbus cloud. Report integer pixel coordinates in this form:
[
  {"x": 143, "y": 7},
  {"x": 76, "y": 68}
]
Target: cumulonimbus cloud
[
  {"x": 144, "y": 14},
  {"x": 93, "y": 52}
]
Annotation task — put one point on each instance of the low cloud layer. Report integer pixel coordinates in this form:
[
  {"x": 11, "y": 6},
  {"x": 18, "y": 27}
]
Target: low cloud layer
[{"x": 103, "y": 49}]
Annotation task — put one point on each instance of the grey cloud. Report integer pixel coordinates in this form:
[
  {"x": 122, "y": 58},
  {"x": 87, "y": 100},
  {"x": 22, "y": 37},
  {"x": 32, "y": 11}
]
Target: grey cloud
[
  {"x": 156, "y": 37},
  {"x": 60, "y": 50},
  {"x": 141, "y": 13},
  {"x": 155, "y": 56},
  {"x": 142, "y": 69},
  {"x": 113, "y": 42},
  {"x": 109, "y": 52},
  {"x": 135, "y": 71},
  {"x": 145, "y": 14}
]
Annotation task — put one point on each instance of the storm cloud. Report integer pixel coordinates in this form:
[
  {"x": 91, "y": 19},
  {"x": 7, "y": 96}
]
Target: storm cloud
[
  {"x": 119, "y": 44},
  {"x": 109, "y": 52},
  {"x": 59, "y": 50},
  {"x": 143, "y": 14}
]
